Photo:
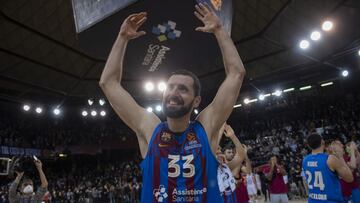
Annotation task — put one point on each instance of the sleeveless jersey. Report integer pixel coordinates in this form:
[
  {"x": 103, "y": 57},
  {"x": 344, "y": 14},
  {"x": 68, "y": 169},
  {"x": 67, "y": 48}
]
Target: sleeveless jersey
[
  {"x": 241, "y": 190},
  {"x": 180, "y": 168},
  {"x": 324, "y": 184},
  {"x": 249, "y": 179}
]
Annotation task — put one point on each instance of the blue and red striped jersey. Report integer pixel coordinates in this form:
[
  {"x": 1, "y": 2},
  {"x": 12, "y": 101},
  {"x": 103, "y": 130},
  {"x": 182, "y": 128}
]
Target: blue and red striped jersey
[{"x": 180, "y": 167}]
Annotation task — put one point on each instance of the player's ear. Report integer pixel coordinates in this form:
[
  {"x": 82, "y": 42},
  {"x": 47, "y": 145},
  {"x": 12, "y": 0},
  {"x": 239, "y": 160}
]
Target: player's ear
[{"x": 197, "y": 101}]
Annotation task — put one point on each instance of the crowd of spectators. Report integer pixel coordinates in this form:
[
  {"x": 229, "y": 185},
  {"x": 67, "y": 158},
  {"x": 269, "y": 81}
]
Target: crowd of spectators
[
  {"x": 280, "y": 128},
  {"x": 82, "y": 180}
]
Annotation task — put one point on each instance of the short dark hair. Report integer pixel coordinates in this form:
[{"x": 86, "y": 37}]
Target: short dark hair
[
  {"x": 197, "y": 84},
  {"x": 228, "y": 146},
  {"x": 314, "y": 140},
  {"x": 27, "y": 181}
]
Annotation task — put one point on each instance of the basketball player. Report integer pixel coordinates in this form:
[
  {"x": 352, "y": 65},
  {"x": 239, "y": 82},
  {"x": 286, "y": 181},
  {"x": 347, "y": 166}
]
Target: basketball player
[
  {"x": 277, "y": 186},
  {"x": 232, "y": 159},
  {"x": 240, "y": 172},
  {"x": 251, "y": 186},
  {"x": 179, "y": 163},
  {"x": 322, "y": 172},
  {"x": 350, "y": 191}
]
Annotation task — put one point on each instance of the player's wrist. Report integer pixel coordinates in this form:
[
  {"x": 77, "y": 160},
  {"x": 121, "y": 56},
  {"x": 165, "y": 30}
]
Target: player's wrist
[
  {"x": 219, "y": 30},
  {"x": 121, "y": 39}
]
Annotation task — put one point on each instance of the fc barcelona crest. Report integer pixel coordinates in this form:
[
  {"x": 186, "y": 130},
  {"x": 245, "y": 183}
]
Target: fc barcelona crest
[{"x": 166, "y": 137}]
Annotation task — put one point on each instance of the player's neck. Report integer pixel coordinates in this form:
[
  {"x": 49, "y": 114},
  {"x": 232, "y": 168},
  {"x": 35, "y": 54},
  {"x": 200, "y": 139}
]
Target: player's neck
[
  {"x": 317, "y": 151},
  {"x": 178, "y": 125}
]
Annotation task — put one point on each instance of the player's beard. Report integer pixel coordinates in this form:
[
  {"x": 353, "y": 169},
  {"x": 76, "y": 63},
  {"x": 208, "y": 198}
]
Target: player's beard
[{"x": 176, "y": 112}]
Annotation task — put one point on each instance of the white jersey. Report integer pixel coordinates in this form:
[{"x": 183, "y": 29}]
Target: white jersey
[
  {"x": 226, "y": 180},
  {"x": 250, "y": 184},
  {"x": 250, "y": 179}
]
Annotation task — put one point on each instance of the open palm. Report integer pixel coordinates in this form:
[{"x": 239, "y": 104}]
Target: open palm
[
  {"x": 208, "y": 17},
  {"x": 129, "y": 28}
]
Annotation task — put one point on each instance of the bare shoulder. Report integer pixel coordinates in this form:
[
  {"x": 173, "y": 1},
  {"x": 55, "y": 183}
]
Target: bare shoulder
[{"x": 332, "y": 162}]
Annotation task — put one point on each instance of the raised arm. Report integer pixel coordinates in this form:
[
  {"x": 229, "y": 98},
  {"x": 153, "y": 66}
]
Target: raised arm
[
  {"x": 353, "y": 161},
  {"x": 13, "y": 196},
  {"x": 44, "y": 183},
  {"x": 136, "y": 117},
  {"x": 219, "y": 110},
  {"x": 339, "y": 165},
  {"x": 43, "y": 180},
  {"x": 240, "y": 154},
  {"x": 248, "y": 167}
]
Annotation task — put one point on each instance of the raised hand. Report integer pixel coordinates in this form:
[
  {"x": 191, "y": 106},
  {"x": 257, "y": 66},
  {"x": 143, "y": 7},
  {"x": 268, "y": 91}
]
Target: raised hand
[
  {"x": 229, "y": 132},
  {"x": 130, "y": 26},
  {"x": 353, "y": 146},
  {"x": 38, "y": 164},
  {"x": 208, "y": 17},
  {"x": 19, "y": 174}
]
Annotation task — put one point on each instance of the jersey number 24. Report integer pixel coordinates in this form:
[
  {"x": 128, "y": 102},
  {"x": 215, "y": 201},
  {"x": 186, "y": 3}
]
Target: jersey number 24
[{"x": 318, "y": 180}]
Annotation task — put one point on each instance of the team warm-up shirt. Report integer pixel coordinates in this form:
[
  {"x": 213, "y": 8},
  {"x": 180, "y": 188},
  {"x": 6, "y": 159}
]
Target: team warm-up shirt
[
  {"x": 324, "y": 184},
  {"x": 180, "y": 167}
]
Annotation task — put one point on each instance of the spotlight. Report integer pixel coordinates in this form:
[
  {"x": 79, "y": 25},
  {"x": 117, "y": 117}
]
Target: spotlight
[
  {"x": 84, "y": 113},
  {"x": 196, "y": 111},
  {"x": 327, "y": 25},
  {"x": 56, "y": 111},
  {"x": 345, "y": 73},
  {"x": 359, "y": 52},
  {"x": 38, "y": 110},
  {"x": 26, "y": 107},
  {"x": 90, "y": 102},
  {"x": 326, "y": 84},
  {"x": 162, "y": 86},
  {"x": 305, "y": 88},
  {"x": 101, "y": 102},
  {"x": 158, "y": 108},
  {"x": 102, "y": 113},
  {"x": 149, "y": 109},
  {"x": 261, "y": 97},
  {"x": 246, "y": 101},
  {"x": 316, "y": 35},
  {"x": 253, "y": 100},
  {"x": 304, "y": 44},
  {"x": 93, "y": 113},
  {"x": 289, "y": 90},
  {"x": 277, "y": 93},
  {"x": 237, "y": 106},
  {"x": 149, "y": 86},
  {"x": 62, "y": 155}
]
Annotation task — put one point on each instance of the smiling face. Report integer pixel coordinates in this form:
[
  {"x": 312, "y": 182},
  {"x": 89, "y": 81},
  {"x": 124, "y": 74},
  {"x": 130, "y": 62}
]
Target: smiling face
[{"x": 179, "y": 97}]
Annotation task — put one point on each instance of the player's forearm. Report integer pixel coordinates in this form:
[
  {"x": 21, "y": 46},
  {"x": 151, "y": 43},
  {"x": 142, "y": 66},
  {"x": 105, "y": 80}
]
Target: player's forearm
[
  {"x": 248, "y": 165},
  {"x": 232, "y": 62},
  {"x": 347, "y": 175},
  {"x": 352, "y": 163},
  {"x": 112, "y": 72},
  {"x": 43, "y": 180},
  {"x": 238, "y": 147}
]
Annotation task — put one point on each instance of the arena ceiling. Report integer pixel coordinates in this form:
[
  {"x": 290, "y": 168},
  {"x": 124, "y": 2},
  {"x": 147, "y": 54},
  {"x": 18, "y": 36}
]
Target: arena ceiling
[{"x": 43, "y": 58}]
